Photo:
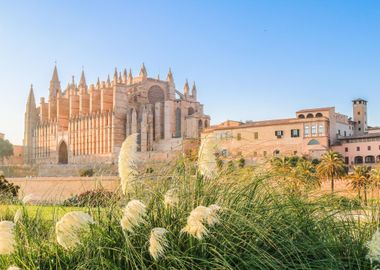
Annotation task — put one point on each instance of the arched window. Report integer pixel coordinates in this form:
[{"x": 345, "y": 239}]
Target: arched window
[
  {"x": 301, "y": 116},
  {"x": 62, "y": 153},
  {"x": 358, "y": 160},
  {"x": 309, "y": 115},
  {"x": 369, "y": 159},
  {"x": 378, "y": 158},
  {"x": 200, "y": 124},
  {"x": 206, "y": 124},
  {"x": 313, "y": 142},
  {"x": 190, "y": 111},
  {"x": 178, "y": 123},
  {"x": 276, "y": 153},
  {"x": 319, "y": 115},
  {"x": 156, "y": 94}
]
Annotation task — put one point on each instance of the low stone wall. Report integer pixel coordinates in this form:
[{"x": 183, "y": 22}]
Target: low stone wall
[{"x": 57, "y": 189}]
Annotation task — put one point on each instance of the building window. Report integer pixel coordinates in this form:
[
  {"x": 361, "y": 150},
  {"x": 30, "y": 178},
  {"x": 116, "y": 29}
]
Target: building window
[
  {"x": 255, "y": 154},
  {"x": 256, "y": 135},
  {"x": 279, "y": 133},
  {"x": 238, "y": 136},
  {"x": 359, "y": 122},
  {"x": 307, "y": 131},
  {"x": 359, "y": 129},
  {"x": 346, "y": 160},
  {"x": 358, "y": 113},
  {"x": 320, "y": 130},
  {"x": 295, "y": 133},
  {"x": 313, "y": 129},
  {"x": 338, "y": 131},
  {"x": 358, "y": 148},
  {"x": 369, "y": 159},
  {"x": 369, "y": 147},
  {"x": 345, "y": 133},
  {"x": 294, "y": 152},
  {"x": 265, "y": 153},
  {"x": 346, "y": 149}
]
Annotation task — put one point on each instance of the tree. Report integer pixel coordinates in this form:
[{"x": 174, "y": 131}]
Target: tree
[
  {"x": 331, "y": 167},
  {"x": 375, "y": 179},
  {"x": 304, "y": 174},
  {"x": 281, "y": 166},
  {"x": 6, "y": 149},
  {"x": 361, "y": 179}
]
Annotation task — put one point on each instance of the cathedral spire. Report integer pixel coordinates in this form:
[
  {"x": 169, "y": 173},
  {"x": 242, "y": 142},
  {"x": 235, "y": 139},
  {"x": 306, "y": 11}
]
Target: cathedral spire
[
  {"x": 130, "y": 77},
  {"x": 108, "y": 81},
  {"x": 186, "y": 88},
  {"x": 143, "y": 72},
  {"x": 120, "y": 78},
  {"x": 115, "y": 76},
  {"x": 82, "y": 82},
  {"x": 55, "y": 74},
  {"x": 194, "y": 91},
  {"x": 125, "y": 76},
  {"x": 31, "y": 100},
  {"x": 55, "y": 85},
  {"x": 98, "y": 83},
  {"x": 170, "y": 78}
]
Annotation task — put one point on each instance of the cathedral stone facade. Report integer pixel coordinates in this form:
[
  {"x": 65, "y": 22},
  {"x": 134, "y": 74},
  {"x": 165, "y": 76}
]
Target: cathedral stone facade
[{"x": 82, "y": 124}]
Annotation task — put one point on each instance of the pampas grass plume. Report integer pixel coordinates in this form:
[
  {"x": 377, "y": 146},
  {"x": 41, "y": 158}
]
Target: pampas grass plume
[
  {"x": 133, "y": 215},
  {"x": 171, "y": 197},
  {"x": 195, "y": 222},
  {"x": 157, "y": 242},
  {"x": 127, "y": 162},
  {"x": 207, "y": 164},
  {"x": 7, "y": 238},
  {"x": 69, "y": 227},
  {"x": 374, "y": 247}
]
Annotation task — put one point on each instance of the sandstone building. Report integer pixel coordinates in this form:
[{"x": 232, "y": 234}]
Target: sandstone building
[
  {"x": 86, "y": 124},
  {"x": 310, "y": 133}
]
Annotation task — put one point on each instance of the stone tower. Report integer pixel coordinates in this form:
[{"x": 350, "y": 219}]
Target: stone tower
[
  {"x": 31, "y": 120},
  {"x": 359, "y": 107}
]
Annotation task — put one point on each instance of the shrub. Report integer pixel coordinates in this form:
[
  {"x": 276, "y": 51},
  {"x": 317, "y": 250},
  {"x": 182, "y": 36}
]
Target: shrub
[
  {"x": 92, "y": 198},
  {"x": 8, "y": 189},
  {"x": 86, "y": 172},
  {"x": 241, "y": 162}
]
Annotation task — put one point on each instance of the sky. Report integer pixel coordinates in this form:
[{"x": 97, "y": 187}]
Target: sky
[{"x": 251, "y": 60}]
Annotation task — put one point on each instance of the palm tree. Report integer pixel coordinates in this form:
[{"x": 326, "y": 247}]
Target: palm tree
[
  {"x": 281, "y": 166},
  {"x": 375, "y": 179},
  {"x": 361, "y": 179},
  {"x": 305, "y": 174},
  {"x": 331, "y": 167}
]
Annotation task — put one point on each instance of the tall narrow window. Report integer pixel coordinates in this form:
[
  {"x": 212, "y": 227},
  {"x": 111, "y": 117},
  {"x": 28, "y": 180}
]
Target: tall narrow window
[
  {"x": 307, "y": 131},
  {"x": 313, "y": 129},
  {"x": 321, "y": 130},
  {"x": 178, "y": 123}
]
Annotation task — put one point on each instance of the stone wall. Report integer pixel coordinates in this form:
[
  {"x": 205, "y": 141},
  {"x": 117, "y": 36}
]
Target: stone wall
[{"x": 57, "y": 189}]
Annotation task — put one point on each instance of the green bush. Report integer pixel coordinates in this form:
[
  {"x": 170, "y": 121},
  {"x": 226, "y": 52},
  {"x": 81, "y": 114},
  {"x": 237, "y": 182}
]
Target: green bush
[
  {"x": 8, "y": 191},
  {"x": 87, "y": 172},
  {"x": 92, "y": 198}
]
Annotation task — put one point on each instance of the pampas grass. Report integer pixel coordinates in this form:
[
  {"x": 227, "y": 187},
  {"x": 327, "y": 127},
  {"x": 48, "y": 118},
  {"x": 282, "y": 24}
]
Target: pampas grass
[
  {"x": 171, "y": 197},
  {"x": 374, "y": 247},
  {"x": 69, "y": 227},
  {"x": 157, "y": 242},
  {"x": 195, "y": 225},
  {"x": 133, "y": 215},
  {"x": 207, "y": 164},
  {"x": 7, "y": 238},
  {"x": 18, "y": 216},
  {"x": 127, "y": 162},
  {"x": 241, "y": 221}
]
